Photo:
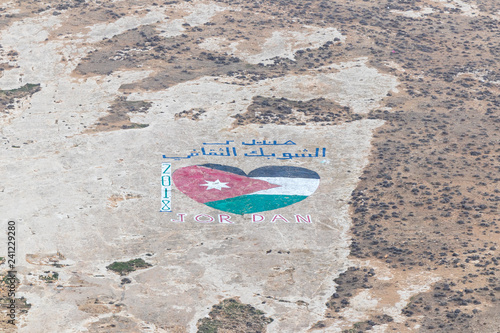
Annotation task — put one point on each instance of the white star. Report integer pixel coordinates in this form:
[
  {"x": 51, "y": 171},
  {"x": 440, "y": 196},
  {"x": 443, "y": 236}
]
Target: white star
[{"x": 215, "y": 185}]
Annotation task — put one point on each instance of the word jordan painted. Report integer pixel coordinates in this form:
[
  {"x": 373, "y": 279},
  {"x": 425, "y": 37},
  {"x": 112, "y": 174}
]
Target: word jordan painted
[
  {"x": 254, "y": 218},
  {"x": 230, "y": 189}
]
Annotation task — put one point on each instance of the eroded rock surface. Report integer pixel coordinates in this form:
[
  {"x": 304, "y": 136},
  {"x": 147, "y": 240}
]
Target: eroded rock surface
[{"x": 399, "y": 100}]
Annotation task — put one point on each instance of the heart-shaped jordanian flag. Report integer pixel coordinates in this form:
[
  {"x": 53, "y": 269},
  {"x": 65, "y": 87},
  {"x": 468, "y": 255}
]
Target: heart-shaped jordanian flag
[{"x": 231, "y": 190}]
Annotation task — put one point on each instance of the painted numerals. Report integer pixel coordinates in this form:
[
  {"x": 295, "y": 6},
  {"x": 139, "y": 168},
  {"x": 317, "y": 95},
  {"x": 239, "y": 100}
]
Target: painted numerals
[{"x": 166, "y": 187}]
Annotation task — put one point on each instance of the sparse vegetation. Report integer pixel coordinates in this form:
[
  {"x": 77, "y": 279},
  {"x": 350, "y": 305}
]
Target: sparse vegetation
[
  {"x": 125, "y": 267},
  {"x": 50, "y": 277},
  {"x": 28, "y": 88},
  {"x": 118, "y": 117},
  {"x": 193, "y": 114},
  {"x": 235, "y": 316},
  {"x": 283, "y": 111},
  {"x": 8, "y": 98}
]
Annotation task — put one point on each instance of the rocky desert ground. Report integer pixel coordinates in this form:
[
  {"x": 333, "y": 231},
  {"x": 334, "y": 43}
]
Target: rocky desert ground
[{"x": 390, "y": 107}]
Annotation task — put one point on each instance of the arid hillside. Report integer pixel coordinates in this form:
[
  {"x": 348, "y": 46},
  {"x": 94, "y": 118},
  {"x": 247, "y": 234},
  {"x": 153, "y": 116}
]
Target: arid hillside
[{"x": 379, "y": 117}]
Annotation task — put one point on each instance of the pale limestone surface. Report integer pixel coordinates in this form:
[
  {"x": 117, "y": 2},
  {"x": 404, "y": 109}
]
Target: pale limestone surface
[
  {"x": 468, "y": 9},
  {"x": 414, "y": 13},
  {"x": 59, "y": 185},
  {"x": 281, "y": 44}
]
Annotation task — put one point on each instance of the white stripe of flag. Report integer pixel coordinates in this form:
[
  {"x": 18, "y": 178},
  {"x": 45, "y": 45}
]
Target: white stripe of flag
[{"x": 289, "y": 186}]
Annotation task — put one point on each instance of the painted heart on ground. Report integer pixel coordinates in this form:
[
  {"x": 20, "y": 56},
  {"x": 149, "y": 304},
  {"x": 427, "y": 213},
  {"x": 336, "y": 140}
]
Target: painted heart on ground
[{"x": 230, "y": 189}]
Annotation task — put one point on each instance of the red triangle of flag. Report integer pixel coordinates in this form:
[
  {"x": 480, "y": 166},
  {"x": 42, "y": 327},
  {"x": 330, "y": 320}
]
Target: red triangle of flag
[{"x": 205, "y": 184}]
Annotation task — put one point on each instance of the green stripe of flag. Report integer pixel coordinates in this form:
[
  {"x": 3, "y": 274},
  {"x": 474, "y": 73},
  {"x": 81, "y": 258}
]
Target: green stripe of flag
[{"x": 253, "y": 203}]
